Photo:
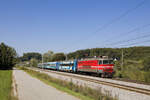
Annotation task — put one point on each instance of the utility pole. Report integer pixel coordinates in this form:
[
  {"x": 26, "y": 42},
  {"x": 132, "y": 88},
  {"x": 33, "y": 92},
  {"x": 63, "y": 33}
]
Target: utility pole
[
  {"x": 42, "y": 62},
  {"x": 122, "y": 58},
  {"x": 66, "y": 57}
]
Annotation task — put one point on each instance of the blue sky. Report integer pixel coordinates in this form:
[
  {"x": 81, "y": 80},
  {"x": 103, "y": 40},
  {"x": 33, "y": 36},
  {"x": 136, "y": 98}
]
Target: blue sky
[{"x": 70, "y": 25}]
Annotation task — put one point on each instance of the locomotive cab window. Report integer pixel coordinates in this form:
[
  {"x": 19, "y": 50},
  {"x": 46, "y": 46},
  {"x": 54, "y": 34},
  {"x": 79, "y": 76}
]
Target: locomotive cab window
[
  {"x": 100, "y": 62},
  {"x": 111, "y": 62},
  {"x": 107, "y": 61}
]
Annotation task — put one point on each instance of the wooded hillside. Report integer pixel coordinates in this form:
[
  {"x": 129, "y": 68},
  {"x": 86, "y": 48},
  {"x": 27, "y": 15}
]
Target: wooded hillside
[
  {"x": 135, "y": 53},
  {"x": 136, "y": 63}
]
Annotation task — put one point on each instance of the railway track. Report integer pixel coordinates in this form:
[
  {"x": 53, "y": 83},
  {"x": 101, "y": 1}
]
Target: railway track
[{"x": 125, "y": 87}]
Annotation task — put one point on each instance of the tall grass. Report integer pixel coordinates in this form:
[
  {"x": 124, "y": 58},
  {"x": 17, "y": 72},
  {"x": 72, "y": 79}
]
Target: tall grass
[
  {"x": 83, "y": 92},
  {"x": 5, "y": 84}
]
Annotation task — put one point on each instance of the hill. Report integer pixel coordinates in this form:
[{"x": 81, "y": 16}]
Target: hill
[{"x": 136, "y": 63}]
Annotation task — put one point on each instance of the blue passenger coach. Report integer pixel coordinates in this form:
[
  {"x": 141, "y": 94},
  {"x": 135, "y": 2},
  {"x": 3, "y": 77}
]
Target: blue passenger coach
[
  {"x": 42, "y": 65},
  {"x": 70, "y": 66},
  {"x": 52, "y": 65}
]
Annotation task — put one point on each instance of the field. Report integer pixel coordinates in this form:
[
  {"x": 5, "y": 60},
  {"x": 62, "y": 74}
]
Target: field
[{"x": 5, "y": 85}]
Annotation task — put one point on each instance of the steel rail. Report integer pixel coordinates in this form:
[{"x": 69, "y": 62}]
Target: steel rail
[{"x": 125, "y": 87}]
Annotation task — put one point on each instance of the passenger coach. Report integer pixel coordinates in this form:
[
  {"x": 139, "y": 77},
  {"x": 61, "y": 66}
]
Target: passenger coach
[
  {"x": 69, "y": 66},
  {"x": 49, "y": 65}
]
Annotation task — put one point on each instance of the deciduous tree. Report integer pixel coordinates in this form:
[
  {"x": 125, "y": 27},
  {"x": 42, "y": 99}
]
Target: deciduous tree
[{"x": 8, "y": 56}]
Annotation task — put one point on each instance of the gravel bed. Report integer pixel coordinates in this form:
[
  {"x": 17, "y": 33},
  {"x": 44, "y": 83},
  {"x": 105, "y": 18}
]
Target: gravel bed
[{"x": 143, "y": 86}]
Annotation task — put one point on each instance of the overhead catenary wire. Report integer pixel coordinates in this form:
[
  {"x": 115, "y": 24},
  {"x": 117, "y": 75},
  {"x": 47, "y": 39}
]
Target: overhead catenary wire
[
  {"x": 117, "y": 19},
  {"x": 132, "y": 39},
  {"x": 146, "y": 41},
  {"x": 126, "y": 33},
  {"x": 129, "y": 32},
  {"x": 120, "y": 17},
  {"x": 112, "y": 21}
]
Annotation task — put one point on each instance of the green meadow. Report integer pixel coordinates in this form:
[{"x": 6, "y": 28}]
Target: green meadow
[{"x": 6, "y": 85}]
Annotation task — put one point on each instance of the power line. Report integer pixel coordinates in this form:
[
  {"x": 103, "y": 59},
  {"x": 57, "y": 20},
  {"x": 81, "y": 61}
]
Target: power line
[
  {"x": 131, "y": 31},
  {"x": 136, "y": 43},
  {"x": 123, "y": 41},
  {"x": 121, "y": 16},
  {"x": 115, "y": 19},
  {"x": 125, "y": 33}
]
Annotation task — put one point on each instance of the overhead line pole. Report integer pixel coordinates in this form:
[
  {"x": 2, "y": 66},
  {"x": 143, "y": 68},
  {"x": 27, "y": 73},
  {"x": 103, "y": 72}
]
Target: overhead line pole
[
  {"x": 66, "y": 57},
  {"x": 122, "y": 58},
  {"x": 42, "y": 62}
]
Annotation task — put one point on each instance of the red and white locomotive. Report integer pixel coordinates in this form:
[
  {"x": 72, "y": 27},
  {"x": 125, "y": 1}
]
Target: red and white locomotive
[{"x": 102, "y": 66}]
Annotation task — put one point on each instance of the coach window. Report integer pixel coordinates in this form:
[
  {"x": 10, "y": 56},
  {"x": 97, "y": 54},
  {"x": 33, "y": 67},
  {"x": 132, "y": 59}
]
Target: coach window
[
  {"x": 100, "y": 62},
  {"x": 105, "y": 61}
]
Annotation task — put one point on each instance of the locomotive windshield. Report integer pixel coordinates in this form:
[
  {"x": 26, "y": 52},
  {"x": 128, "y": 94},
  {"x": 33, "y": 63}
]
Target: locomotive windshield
[{"x": 106, "y": 62}]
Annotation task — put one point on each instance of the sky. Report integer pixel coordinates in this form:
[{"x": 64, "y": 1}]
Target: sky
[{"x": 70, "y": 25}]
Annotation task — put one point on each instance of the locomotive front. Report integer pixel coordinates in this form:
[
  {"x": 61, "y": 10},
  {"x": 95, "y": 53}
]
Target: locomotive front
[
  {"x": 102, "y": 66},
  {"x": 106, "y": 67}
]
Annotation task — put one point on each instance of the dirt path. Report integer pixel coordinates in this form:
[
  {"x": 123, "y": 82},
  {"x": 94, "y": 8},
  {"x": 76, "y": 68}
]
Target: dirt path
[{"x": 30, "y": 88}]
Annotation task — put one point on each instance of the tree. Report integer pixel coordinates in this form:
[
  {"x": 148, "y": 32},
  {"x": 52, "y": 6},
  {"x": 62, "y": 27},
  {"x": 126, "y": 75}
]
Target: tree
[
  {"x": 146, "y": 63},
  {"x": 8, "y": 56},
  {"x": 59, "y": 57},
  {"x": 30, "y": 55},
  {"x": 33, "y": 62},
  {"x": 48, "y": 56}
]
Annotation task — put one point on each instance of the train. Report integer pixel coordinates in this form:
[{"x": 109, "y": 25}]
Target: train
[{"x": 104, "y": 67}]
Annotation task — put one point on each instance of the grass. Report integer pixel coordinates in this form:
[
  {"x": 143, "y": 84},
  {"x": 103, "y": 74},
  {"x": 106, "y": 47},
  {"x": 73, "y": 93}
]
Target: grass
[
  {"x": 6, "y": 85},
  {"x": 82, "y": 92}
]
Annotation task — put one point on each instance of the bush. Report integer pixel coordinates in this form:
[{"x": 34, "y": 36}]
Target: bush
[{"x": 146, "y": 64}]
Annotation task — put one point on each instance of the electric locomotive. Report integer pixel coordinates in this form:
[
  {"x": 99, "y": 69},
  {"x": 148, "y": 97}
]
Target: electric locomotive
[{"x": 101, "y": 66}]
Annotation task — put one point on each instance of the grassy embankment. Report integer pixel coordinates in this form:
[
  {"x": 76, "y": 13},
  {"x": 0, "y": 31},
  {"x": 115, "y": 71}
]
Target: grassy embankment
[
  {"x": 84, "y": 93},
  {"x": 6, "y": 85},
  {"x": 133, "y": 70}
]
